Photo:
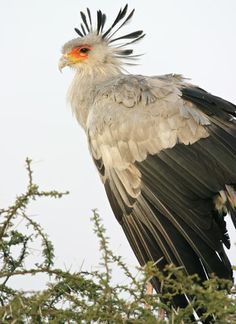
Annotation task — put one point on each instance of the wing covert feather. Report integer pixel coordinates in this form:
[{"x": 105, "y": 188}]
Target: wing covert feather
[{"x": 117, "y": 131}]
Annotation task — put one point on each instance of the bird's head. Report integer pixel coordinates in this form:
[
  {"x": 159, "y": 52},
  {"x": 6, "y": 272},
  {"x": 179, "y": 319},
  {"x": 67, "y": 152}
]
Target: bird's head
[{"x": 95, "y": 47}]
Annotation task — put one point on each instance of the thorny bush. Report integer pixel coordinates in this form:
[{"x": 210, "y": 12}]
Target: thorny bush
[{"x": 92, "y": 297}]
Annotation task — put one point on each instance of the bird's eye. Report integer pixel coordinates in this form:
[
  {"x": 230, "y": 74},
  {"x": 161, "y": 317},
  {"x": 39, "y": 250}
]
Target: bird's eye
[{"x": 84, "y": 50}]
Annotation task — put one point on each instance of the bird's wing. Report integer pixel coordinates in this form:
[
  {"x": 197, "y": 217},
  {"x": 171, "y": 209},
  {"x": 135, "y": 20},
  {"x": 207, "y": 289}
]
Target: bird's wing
[{"x": 166, "y": 152}]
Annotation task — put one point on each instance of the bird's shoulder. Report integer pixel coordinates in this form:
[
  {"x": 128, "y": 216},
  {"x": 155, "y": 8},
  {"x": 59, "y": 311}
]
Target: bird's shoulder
[
  {"x": 133, "y": 116},
  {"x": 132, "y": 90}
]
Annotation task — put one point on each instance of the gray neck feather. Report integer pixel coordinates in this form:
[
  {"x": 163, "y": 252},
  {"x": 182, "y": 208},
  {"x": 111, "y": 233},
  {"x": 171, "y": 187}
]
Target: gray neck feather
[{"x": 82, "y": 89}]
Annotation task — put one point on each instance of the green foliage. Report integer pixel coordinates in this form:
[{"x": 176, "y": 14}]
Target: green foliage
[{"x": 88, "y": 297}]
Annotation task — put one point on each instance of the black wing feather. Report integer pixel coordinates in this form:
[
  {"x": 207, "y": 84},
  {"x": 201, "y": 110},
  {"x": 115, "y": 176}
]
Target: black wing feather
[
  {"x": 174, "y": 219},
  {"x": 210, "y": 104}
]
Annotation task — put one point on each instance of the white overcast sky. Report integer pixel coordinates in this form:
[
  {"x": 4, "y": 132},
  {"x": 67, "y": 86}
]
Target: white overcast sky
[{"x": 196, "y": 38}]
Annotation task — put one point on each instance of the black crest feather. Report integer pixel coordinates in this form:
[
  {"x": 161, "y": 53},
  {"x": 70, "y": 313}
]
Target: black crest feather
[
  {"x": 79, "y": 32},
  {"x": 122, "y": 18},
  {"x": 90, "y": 19},
  {"x": 83, "y": 30},
  {"x": 83, "y": 16},
  {"x": 135, "y": 35}
]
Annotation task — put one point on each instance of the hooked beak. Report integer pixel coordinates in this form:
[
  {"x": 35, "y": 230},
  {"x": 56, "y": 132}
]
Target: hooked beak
[{"x": 64, "y": 61}]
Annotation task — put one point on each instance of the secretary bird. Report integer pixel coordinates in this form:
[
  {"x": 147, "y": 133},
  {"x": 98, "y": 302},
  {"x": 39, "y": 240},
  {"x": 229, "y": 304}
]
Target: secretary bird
[{"x": 165, "y": 150}]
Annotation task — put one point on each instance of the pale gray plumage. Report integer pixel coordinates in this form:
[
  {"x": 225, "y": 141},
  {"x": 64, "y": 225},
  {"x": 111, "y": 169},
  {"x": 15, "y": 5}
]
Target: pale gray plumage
[{"x": 165, "y": 150}]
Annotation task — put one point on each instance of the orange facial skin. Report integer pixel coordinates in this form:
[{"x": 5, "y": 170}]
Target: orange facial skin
[{"x": 79, "y": 53}]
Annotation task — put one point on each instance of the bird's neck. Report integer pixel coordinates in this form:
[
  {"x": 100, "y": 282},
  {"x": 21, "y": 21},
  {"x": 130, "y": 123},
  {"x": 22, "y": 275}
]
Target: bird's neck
[{"x": 82, "y": 90}]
